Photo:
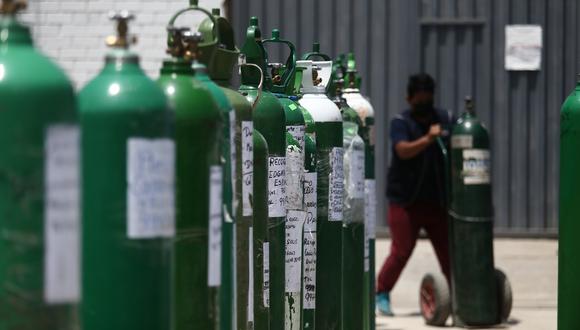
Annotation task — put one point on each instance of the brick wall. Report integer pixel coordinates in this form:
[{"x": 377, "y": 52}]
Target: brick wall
[{"x": 73, "y": 32}]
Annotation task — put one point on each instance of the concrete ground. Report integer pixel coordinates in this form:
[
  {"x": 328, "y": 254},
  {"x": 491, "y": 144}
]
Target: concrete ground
[{"x": 531, "y": 266}]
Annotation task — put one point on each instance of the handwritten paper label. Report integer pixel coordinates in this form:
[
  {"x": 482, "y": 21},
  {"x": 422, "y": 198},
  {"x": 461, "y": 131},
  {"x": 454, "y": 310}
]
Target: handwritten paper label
[
  {"x": 215, "y": 227},
  {"x": 266, "y": 278},
  {"x": 310, "y": 203},
  {"x": 297, "y": 133},
  {"x": 276, "y": 187},
  {"x": 309, "y": 279},
  {"x": 247, "y": 167},
  {"x": 294, "y": 177},
  {"x": 370, "y": 207},
  {"x": 150, "y": 188},
  {"x": 336, "y": 185},
  {"x": 357, "y": 173},
  {"x": 61, "y": 215},
  {"x": 294, "y": 226},
  {"x": 251, "y": 275}
]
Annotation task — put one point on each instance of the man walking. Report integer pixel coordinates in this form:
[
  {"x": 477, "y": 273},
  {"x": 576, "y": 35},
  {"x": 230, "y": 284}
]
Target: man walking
[{"x": 415, "y": 184}]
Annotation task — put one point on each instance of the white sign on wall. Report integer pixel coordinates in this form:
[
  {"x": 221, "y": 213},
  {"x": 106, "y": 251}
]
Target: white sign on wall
[{"x": 523, "y": 47}]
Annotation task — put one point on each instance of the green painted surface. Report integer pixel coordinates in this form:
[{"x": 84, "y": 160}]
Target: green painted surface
[
  {"x": 309, "y": 262},
  {"x": 474, "y": 285},
  {"x": 260, "y": 233},
  {"x": 353, "y": 233},
  {"x": 329, "y": 234},
  {"x": 568, "y": 266},
  {"x": 34, "y": 94},
  {"x": 269, "y": 120},
  {"x": 121, "y": 277},
  {"x": 195, "y": 102}
]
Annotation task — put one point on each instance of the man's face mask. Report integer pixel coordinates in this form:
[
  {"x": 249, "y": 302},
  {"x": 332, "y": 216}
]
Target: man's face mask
[{"x": 423, "y": 108}]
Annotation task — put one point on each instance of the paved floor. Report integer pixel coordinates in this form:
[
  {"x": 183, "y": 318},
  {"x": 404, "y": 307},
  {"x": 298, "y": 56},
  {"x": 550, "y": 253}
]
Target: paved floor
[{"x": 531, "y": 266}]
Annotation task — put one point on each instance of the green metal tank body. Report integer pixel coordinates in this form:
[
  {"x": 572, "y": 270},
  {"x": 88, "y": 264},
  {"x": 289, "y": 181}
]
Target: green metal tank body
[
  {"x": 366, "y": 113},
  {"x": 329, "y": 156},
  {"x": 353, "y": 233},
  {"x": 309, "y": 236},
  {"x": 283, "y": 84},
  {"x": 568, "y": 266},
  {"x": 220, "y": 59},
  {"x": 197, "y": 118},
  {"x": 35, "y": 95},
  {"x": 124, "y": 274},
  {"x": 269, "y": 120},
  {"x": 295, "y": 218},
  {"x": 471, "y": 225},
  {"x": 227, "y": 147},
  {"x": 260, "y": 233},
  {"x": 268, "y": 117}
]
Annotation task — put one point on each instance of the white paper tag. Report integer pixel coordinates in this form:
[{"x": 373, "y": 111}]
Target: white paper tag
[
  {"x": 336, "y": 185},
  {"x": 276, "y": 187},
  {"x": 297, "y": 133},
  {"x": 150, "y": 188},
  {"x": 294, "y": 178},
  {"x": 309, "y": 276},
  {"x": 476, "y": 166},
  {"x": 370, "y": 208},
  {"x": 62, "y": 215},
  {"x": 215, "y": 227},
  {"x": 233, "y": 162},
  {"x": 247, "y": 167},
  {"x": 310, "y": 202},
  {"x": 294, "y": 226},
  {"x": 357, "y": 173},
  {"x": 461, "y": 141},
  {"x": 251, "y": 275},
  {"x": 266, "y": 275}
]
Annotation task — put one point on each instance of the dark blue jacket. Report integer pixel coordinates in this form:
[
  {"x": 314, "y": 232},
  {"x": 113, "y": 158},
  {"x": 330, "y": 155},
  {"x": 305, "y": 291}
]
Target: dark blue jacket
[{"x": 423, "y": 176}]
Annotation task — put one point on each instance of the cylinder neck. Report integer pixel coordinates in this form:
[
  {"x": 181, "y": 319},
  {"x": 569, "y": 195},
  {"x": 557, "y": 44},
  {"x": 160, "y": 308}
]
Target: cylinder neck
[{"x": 13, "y": 32}]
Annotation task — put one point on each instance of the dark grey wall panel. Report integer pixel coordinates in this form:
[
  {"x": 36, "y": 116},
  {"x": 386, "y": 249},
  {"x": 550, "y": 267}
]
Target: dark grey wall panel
[{"x": 461, "y": 43}]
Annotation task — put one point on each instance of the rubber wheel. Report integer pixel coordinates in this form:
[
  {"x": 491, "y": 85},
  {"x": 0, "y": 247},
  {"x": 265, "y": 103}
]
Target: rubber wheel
[
  {"x": 435, "y": 299},
  {"x": 504, "y": 294}
]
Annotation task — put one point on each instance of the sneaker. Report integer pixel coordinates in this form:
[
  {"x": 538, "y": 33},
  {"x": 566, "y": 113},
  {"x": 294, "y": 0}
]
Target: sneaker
[{"x": 383, "y": 302}]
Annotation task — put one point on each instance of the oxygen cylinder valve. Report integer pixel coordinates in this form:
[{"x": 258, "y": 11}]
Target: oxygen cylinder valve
[
  {"x": 469, "y": 104},
  {"x": 11, "y": 7},
  {"x": 122, "y": 39},
  {"x": 191, "y": 40},
  {"x": 175, "y": 44},
  {"x": 315, "y": 79}
]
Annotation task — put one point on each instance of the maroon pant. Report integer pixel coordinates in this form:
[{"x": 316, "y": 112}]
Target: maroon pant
[{"x": 404, "y": 225}]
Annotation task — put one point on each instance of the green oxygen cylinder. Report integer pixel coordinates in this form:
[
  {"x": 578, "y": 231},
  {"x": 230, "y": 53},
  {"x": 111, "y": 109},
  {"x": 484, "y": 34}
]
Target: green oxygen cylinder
[
  {"x": 39, "y": 185},
  {"x": 128, "y": 174},
  {"x": 328, "y": 127},
  {"x": 283, "y": 83},
  {"x": 197, "y": 249},
  {"x": 310, "y": 206},
  {"x": 259, "y": 238},
  {"x": 309, "y": 233},
  {"x": 220, "y": 59},
  {"x": 353, "y": 234},
  {"x": 568, "y": 266},
  {"x": 366, "y": 113},
  {"x": 295, "y": 218},
  {"x": 269, "y": 120},
  {"x": 471, "y": 216}
]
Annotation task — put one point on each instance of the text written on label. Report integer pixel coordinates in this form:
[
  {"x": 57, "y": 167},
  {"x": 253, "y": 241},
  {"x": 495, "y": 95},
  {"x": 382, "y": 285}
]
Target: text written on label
[
  {"x": 247, "y": 167},
  {"x": 61, "y": 215},
  {"x": 336, "y": 185},
  {"x": 294, "y": 226},
  {"x": 150, "y": 188},
  {"x": 276, "y": 187},
  {"x": 215, "y": 227}
]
